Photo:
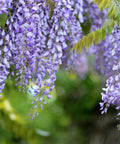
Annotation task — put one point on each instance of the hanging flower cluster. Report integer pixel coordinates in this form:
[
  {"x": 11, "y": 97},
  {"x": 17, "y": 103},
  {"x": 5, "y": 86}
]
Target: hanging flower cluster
[
  {"x": 34, "y": 43},
  {"x": 107, "y": 55},
  {"x": 111, "y": 94}
]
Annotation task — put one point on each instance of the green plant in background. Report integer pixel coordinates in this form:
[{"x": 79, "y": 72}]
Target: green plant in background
[{"x": 69, "y": 104}]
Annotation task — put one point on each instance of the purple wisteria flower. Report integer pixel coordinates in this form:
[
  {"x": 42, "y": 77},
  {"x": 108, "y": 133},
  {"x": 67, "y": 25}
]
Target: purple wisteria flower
[
  {"x": 111, "y": 93},
  {"x": 4, "y": 5},
  {"x": 34, "y": 43},
  {"x": 4, "y": 64},
  {"x": 107, "y": 55},
  {"x": 69, "y": 58}
]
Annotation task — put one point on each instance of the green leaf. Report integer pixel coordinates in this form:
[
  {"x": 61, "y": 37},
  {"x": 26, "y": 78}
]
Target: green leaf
[
  {"x": 97, "y": 36},
  {"x": 80, "y": 45},
  {"x": 102, "y": 4},
  {"x": 119, "y": 16},
  {"x": 103, "y": 34},
  {"x": 110, "y": 8},
  {"x": 109, "y": 22},
  {"x": 116, "y": 11},
  {"x": 3, "y": 18},
  {"x": 109, "y": 29}
]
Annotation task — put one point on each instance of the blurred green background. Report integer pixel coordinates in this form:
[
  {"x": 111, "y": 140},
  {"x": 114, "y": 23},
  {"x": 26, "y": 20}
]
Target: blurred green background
[{"x": 71, "y": 116}]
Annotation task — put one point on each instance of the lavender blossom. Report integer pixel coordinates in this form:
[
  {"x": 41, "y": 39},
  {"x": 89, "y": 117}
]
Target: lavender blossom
[
  {"x": 111, "y": 93},
  {"x": 35, "y": 44},
  {"x": 4, "y": 5},
  {"x": 4, "y": 64}
]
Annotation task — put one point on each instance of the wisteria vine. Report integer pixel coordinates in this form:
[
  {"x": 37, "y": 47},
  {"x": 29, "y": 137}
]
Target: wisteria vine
[{"x": 37, "y": 40}]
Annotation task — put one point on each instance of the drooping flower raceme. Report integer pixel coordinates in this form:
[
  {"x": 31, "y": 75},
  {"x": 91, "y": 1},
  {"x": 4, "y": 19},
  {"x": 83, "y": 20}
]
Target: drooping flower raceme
[
  {"x": 29, "y": 29},
  {"x": 69, "y": 59},
  {"x": 34, "y": 43},
  {"x": 4, "y": 65},
  {"x": 107, "y": 55},
  {"x": 111, "y": 93}
]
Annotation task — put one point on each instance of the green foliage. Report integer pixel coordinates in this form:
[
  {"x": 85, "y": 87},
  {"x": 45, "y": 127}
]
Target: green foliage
[
  {"x": 102, "y": 4},
  {"x": 51, "y": 5},
  {"x": 109, "y": 29},
  {"x": 3, "y": 19},
  {"x": 86, "y": 28},
  {"x": 79, "y": 97},
  {"x": 89, "y": 39},
  {"x": 113, "y": 14},
  {"x": 75, "y": 100}
]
